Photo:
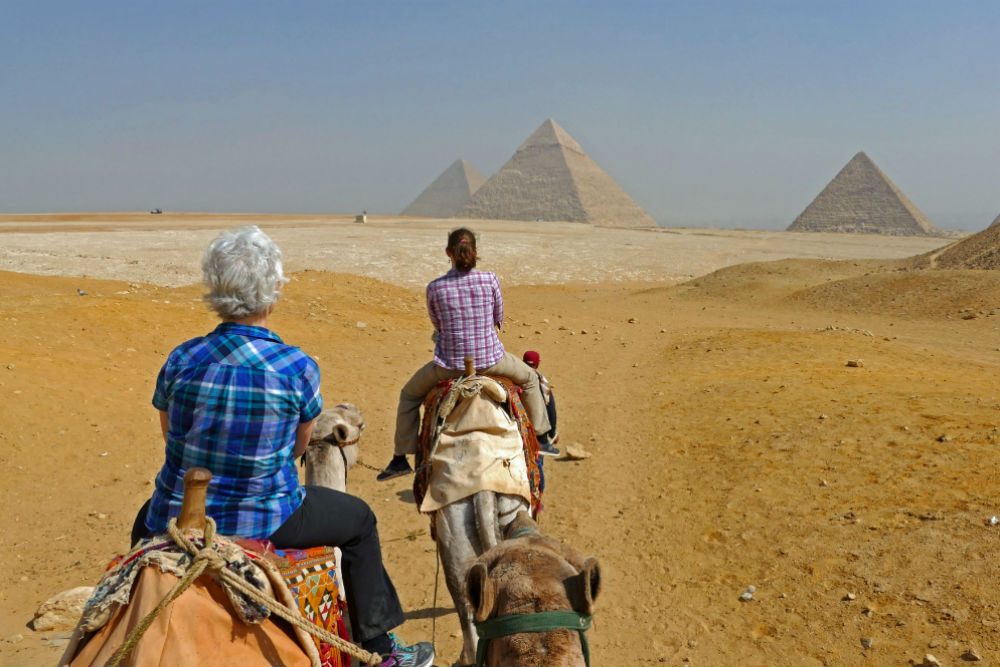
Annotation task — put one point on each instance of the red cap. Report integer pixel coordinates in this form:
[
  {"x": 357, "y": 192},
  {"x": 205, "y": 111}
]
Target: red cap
[{"x": 531, "y": 358}]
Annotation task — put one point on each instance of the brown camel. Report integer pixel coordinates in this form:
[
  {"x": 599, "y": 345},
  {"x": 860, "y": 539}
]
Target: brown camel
[{"x": 528, "y": 576}]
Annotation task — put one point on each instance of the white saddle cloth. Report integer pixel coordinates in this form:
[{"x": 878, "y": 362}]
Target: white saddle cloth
[{"x": 479, "y": 449}]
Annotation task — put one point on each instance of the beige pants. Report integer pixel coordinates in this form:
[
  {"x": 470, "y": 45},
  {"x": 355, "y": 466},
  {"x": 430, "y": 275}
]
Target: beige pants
[{"x": 415, "y": 390}]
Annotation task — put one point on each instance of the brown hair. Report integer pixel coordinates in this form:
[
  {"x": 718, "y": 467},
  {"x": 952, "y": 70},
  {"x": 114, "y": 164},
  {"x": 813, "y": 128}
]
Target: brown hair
[{"x": 462, "y": 248}]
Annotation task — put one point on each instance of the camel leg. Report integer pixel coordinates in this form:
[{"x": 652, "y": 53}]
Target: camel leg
[{"x": 459, "y": 544}]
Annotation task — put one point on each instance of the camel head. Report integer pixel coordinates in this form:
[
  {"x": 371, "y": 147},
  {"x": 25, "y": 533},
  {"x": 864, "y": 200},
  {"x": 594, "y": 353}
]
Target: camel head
[
  {"x": 334, "y": 446},
  {"x": 528, "y": 574}
]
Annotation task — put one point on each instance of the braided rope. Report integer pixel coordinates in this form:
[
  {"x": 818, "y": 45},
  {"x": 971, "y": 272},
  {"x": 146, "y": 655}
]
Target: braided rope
[{"x": 207, "y": 558}]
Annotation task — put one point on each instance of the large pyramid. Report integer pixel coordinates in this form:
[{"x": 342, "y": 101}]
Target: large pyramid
[
  {"x": 448, "y": 193},
  {"x": 862, "y": 199},
  {"x": 551, "y": 178}
]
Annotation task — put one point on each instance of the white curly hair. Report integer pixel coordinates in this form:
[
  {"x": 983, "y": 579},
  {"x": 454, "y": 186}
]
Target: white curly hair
[{"x": 242, "y": 270}]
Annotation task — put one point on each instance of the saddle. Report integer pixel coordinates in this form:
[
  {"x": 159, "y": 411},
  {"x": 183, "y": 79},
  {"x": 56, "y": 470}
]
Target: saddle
[
  {"x": 496, "y": 443},
  {"x": 219, "y": 627}
]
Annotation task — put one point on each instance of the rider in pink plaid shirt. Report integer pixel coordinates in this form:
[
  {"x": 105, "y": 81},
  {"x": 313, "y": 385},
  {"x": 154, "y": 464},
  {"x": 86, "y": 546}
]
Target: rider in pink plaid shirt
[{"x": 466, "y": 309}]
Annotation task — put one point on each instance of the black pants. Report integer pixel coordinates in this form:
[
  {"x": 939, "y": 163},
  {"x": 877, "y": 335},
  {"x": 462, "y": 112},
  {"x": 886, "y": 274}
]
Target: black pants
[
  {"x": 550, "y": 409},
  {"x": 331, "y": 518}
]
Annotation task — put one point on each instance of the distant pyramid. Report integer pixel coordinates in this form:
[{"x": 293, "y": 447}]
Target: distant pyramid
[
  {"x": 862, "y": 199},
  {"x": 551, "y": 178},
  {"x": 996, "y": 221},
  {"x": 448, "y": 193}
]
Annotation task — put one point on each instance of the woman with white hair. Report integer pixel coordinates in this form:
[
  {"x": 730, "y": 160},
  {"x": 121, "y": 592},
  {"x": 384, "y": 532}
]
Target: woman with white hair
[{"x": 242, "y": 403}]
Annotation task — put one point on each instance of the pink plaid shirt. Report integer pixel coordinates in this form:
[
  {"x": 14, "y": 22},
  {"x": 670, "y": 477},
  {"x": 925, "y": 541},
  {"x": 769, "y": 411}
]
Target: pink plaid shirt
[{"x": 466, "y": 309}]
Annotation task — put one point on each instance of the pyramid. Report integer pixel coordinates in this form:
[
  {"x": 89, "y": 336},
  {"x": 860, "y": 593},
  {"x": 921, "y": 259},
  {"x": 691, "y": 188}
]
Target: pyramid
[
  {"x": 551, "y": 178},
  {"x": 448, "y": 193},
  {"x": 862, "y": 199}
]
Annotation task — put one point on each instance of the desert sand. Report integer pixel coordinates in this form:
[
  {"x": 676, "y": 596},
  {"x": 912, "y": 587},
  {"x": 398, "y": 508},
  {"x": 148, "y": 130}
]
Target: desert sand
[{"x": 732, "y": 445}]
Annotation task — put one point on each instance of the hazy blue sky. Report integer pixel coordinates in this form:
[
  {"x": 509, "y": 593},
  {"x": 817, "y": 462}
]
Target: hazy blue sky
[{"x": 717, "y": 113}]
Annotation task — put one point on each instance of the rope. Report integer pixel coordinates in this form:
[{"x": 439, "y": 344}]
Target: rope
[{"x": 207, "y": 558}]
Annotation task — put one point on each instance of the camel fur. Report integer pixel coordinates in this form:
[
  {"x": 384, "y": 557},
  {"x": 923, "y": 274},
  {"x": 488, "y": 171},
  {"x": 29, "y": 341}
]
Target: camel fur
[
  {"x": 464, "y": 530},
  {"x": 333, "y": 449},
  {"x": 529, "y": 574}
]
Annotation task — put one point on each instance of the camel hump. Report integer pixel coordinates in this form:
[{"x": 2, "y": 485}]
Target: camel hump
[{"x": 193, "y": 506}]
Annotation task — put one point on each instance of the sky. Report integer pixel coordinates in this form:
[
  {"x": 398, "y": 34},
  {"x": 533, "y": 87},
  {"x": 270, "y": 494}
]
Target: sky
[{"x": 724, "y": 114}]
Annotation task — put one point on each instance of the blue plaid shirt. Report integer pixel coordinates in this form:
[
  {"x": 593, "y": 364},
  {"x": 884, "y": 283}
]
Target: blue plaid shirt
[{"x": 234, "y": 400}]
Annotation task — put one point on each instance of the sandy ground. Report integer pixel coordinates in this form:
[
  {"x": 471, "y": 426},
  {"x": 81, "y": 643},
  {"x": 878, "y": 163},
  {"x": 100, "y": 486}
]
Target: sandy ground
[{"x": 732, "y": 445}]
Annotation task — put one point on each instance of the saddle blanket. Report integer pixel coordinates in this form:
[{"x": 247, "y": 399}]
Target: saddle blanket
[
  {"x": 309, "y": 577},
  {"x": 476, "y": 437}
]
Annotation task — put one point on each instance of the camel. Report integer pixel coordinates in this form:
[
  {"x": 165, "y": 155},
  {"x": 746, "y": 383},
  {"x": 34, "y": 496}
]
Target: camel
[
  {"x": 473, "y": 436},
  {"x": 532, "y": 598},
  {"x": 333, "y": 449},
  {"x": 464, "y": 530}
]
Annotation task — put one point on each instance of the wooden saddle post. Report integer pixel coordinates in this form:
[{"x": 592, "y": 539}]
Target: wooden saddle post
[
  {"x": 192, "y": 514},
  {"x": 470, "y": 368}
]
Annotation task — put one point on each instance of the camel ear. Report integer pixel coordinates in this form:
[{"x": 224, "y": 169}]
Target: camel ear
[
  {"x": 481, "y": 592},
  {"x": 342, "y": 432},
  {"x": 586, "y": 587}
]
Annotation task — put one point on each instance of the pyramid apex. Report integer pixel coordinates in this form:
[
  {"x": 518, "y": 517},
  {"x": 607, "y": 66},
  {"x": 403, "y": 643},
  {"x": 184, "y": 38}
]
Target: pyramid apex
[{"x": 551, "y": 133}]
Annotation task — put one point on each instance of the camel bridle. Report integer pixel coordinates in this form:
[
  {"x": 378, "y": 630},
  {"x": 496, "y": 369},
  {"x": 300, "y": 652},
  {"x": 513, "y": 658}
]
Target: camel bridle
[{"x": 539, "y": 621}]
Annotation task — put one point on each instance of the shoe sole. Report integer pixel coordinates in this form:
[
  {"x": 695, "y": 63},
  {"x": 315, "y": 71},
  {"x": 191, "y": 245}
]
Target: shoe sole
[
  {"x": 385, "y": 477},
  {"x": 542, "y": 452}
]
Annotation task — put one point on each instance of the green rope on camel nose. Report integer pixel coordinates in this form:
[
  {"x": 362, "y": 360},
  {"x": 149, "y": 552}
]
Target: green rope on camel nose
[{"x": 542, "y": 621}]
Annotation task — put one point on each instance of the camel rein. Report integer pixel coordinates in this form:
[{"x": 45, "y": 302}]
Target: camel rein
[
  {"x": 542, "y": 621},
  {"x": 207, "y": 558}
]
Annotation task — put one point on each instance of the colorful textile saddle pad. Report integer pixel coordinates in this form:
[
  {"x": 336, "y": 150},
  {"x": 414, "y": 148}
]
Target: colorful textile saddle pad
[
  {"x": 514, "y": 407},
  {"x": 311, "y": 576}
]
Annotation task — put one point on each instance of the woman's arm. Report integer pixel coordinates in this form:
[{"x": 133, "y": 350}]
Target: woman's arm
[
  {"x": 497, "y": 304},
  {"x": 432, "y": 311},
  {"x": 303, "y": 434}
]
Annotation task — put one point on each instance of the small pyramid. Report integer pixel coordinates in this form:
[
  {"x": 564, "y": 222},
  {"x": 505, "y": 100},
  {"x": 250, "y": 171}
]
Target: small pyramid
[
  {"x": 862, "y": 199},
  {"x": 996, "y": 221},
  {"x": 551, "y": 178},
  {"x": 448, "y": 193}
]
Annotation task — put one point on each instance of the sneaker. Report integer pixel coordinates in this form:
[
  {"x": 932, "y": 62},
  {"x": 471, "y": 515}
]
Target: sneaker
[
  {"x": 397, "y": 467},
  {"x": 420, "y": 654},
  {"x": 546, "y": 448}
]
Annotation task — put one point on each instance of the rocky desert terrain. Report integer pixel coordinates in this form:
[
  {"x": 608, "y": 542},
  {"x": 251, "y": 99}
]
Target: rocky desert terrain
[{"x": 706, "y": 371}]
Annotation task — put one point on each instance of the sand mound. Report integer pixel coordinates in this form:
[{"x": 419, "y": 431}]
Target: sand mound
[
  {"x": 979, "y": 251},
  {"x": 917, "y": 294},
  {"x": 875, "y": 287},
  {"x": 768, "y": 281}
]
